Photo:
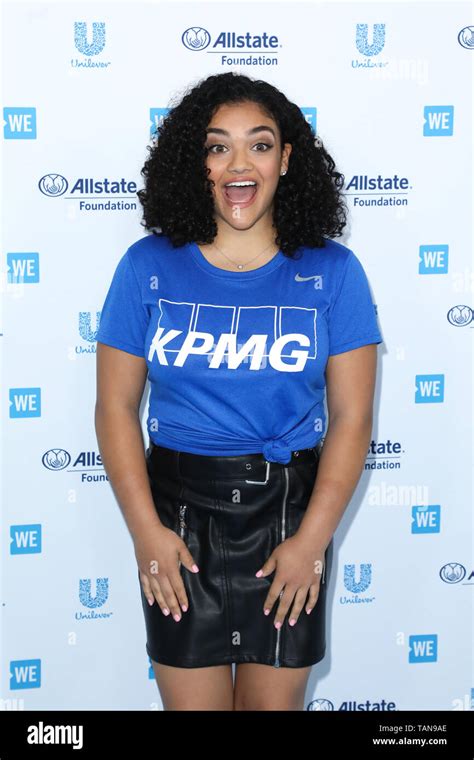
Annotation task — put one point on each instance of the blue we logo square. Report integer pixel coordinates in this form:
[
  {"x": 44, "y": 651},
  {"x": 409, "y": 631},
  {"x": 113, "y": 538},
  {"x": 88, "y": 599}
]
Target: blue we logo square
[
  {"x": 23, "y": 268},
  {"x": 25, "y": 539},
  {"x": 439, "y": 121},
  {"x": 25, "y": 674},
  {"x": 433, "y": 259},
  {"x": 25, "y": 402},
  {"x": 19, "y": 123},
  {"x": 429, "y": 389},
  {"x": 425, "y": 518},
  {"x": 423, "y": 648}
]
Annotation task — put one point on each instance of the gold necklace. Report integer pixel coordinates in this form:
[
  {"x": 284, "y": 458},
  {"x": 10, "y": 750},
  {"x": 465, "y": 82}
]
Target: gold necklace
[{"x": 241, "y": 266}]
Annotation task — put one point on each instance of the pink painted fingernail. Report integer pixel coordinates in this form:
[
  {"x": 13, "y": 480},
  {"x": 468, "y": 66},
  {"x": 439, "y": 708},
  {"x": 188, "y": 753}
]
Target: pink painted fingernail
[
  {"x": 308, "y": 611},
  {"x": 195, "y": 569},
  {"x": 259, "y": 573},
  {"x": 166, "y": 611},
  {"x": 277, "y": 625},
  {"x": 266, "y": 612},
  {"x": 150, "y": 600},
  {"x": 183, "y": 607},
  {"x": 177, "y": 617},
  {"x": 292, "y": 621}
]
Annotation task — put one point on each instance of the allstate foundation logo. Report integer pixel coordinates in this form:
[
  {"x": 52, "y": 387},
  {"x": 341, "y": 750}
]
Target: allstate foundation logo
[
  {"x": 93, "y": 601},
  {"x": 357, "y": 585},
  {"x": 466, "y": 37},
  {"x": 87, "y": 463},
  {"x": 56, "y": 459},
  {"x": 90, "y": 192},
  {"x": 90, "y": 43},
  {"x": 320, "y": 705},
  {"x": 460, "y": 316},
  {"x": 247, "y": 49},
  {"x": 370, "y": 44},
  {"x": 453, "y": 572},
  {"x": 196, "y": 38},
  {"x": 53, "y": 185},
  {"x": 352, "y": 705},
  {"x": 378, "y": 191}
]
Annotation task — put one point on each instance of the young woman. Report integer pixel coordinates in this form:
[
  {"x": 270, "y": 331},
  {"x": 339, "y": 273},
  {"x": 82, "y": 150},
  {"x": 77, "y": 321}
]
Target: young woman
[{"x": 242, "y": 312}]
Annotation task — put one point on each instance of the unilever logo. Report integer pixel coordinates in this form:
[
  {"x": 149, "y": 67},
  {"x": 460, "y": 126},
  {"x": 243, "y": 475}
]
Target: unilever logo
[
  {"x": 56, "y": 459},
  {"x": 466, "y": 37},
  {"x": 53, "y": 185},
  {"x": 92, "y": 603},
  {"x": 362, "y": 39},
  {"x": 86, "y": 331},
  {"x": 365, "y": 578},
  {"x": 196, "y": 38},
  {"x": 453, "y": 572},
  {"x": 369, "y": 44},
  {"x": 357, "y": 585},
  {"x": 101, "y": 595},
  {"x": 460, "y": 316},
  {"x": 97, "y": 43}
]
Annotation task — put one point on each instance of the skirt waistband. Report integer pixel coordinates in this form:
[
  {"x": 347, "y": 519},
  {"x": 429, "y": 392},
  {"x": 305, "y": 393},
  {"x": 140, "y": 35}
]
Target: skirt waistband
[{"x": 251, "y": 467}]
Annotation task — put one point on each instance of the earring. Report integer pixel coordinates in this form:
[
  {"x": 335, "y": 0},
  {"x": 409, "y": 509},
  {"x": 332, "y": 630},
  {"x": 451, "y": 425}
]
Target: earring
[{"x": 282, "y": 173}]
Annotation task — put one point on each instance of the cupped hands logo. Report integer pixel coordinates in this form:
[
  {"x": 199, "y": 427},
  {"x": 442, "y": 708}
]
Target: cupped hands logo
[
  {"x": 466, "y": 37},
  {"x": 53, "y": 185},
  {"x": 452, "y": 572},
  {"x": 196, "y": 38},
  {"x": 460, "y": 315},
  {"x": 56, "y": 459}
]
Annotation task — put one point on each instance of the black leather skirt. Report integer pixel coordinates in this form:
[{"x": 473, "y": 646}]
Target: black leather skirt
[{"x": 232, "y": 511}]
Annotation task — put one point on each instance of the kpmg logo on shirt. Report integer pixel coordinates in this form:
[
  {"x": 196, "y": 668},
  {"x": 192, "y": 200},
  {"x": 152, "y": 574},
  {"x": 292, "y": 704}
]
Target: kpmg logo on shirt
[
  {"x": 225, "y": 335},
  {"x": 90, "y": 42},
  {"x": 196, "y": 39},
  {"x": 54, "y": 185}
]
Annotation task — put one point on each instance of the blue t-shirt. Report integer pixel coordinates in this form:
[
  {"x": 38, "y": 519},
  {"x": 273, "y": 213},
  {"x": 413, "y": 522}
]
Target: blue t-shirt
[{"x": 236, "y": 360}]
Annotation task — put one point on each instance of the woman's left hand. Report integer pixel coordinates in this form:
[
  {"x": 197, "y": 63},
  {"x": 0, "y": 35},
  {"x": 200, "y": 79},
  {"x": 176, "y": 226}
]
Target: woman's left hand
[{"x": 299, "y": 565}]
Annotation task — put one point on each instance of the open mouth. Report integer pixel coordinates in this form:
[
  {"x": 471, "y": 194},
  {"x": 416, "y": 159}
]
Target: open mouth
[{"x": 240, "y": 192}]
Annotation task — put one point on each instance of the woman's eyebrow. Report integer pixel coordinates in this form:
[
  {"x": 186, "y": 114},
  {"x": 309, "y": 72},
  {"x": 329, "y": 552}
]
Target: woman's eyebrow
[{"x": 262, "y": 128}]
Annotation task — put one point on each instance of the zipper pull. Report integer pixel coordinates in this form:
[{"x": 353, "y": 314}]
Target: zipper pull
[{"x": 182, "y": 521}]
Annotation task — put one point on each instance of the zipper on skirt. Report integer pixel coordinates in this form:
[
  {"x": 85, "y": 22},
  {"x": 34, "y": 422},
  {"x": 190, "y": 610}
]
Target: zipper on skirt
[{"x": 282, "y": 538}]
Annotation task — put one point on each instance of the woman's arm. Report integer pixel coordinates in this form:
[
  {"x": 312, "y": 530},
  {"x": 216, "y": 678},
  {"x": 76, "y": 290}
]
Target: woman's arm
[
  {"x": 121, "y": 380},
  {"x": 350, "y": 384}
]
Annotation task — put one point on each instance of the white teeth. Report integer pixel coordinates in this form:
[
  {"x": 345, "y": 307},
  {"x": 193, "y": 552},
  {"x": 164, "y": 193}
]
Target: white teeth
[{"x": 240, "y": 184}]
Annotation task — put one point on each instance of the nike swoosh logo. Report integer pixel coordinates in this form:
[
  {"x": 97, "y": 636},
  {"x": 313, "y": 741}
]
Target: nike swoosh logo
[{"x": 299, "y": 278}]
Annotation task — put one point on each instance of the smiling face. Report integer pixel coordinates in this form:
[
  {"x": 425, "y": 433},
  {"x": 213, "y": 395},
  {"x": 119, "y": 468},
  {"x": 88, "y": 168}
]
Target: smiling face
[{"x": 244, "y": 148}]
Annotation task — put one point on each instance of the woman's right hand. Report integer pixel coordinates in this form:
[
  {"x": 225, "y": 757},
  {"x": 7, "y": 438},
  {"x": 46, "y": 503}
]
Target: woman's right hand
[{"x": 159, "y": 553}]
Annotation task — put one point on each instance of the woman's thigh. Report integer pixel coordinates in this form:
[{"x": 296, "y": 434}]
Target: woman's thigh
[
  {"x": 264, "y": 687},
  {"x": 208, "y": 688}
]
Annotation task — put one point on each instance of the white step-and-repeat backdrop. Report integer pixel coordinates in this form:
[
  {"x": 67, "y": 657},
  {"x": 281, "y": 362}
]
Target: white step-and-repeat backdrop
[{"x": 388, "y": 86}]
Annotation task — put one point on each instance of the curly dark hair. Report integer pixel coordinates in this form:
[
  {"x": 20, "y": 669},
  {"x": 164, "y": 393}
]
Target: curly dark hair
[{"x": 177, "y": 197}]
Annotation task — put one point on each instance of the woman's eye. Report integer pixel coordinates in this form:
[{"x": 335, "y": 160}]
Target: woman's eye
[{"x": 216, "y": 148}]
